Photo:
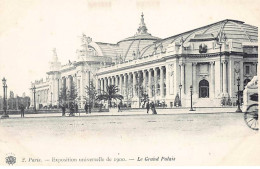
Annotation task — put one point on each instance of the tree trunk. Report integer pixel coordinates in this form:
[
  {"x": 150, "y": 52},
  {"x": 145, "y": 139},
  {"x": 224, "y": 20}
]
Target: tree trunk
[{"x": 110, "y": 104}]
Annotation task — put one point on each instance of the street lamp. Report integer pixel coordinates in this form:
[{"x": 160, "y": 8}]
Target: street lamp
[
  {"x": 34, "y": 104},
  {"x": 238, "y": 96},
  {"x": 39, "y": 100},
  {"x": 180, "y": 86},
  {"x": 5, "y": 115},
  {"x": 191, "y": 109}
]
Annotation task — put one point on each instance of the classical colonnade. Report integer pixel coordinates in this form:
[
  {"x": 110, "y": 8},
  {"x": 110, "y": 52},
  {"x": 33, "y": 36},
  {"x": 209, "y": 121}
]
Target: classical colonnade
[{"x": 152, "y": 81}]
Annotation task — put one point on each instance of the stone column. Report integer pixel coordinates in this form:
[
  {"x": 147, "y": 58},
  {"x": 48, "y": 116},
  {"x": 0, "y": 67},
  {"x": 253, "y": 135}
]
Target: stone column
[
  {"x": 212, "y": 82},
  {"x": 167, "y": 80},
  {"x": 105, "y": 84},
  {"x": 112, "y": 80},
  {"x": 134, "y": 84},
  {"x": 155, "y": 81},
  {"x": 161, "y": 82},
  {"x": 101, "y": 85},
  {"x": 150, "y": 83},
  {"x": 182, "y": 79},
  {"x": 194, "y": 77},
  {"x": 125, "y": 83},
  {"x": 98, "y": 85},
  {"x": 144, "y": 80},
  {"x": 120, "y": 84},
  {"x": 116, "y": 81},
  {"x": 225, "y": 77},
  {"x": 140, "y": 82}
]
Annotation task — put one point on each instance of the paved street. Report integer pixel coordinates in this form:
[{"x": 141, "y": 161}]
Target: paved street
[{"x": 189, "y": 139}]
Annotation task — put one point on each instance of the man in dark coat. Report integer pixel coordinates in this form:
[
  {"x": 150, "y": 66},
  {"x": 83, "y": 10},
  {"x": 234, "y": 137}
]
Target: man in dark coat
[
  {"x": 119, "y": 106},
  {"x": 22, "y": 110},
  {"x": 147, "y": 107},
  {"x": 76, "y": 108},
  {"x": 63, "y": 108},
  {"x": 72, "y": 109},
  {"x": 86, "y": 108},
  {"x": 153, "y": 108}
]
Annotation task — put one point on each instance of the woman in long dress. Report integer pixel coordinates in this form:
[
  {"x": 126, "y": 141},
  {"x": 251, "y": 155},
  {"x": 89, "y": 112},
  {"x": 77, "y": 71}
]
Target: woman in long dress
[{"x": 153, "y": 108}]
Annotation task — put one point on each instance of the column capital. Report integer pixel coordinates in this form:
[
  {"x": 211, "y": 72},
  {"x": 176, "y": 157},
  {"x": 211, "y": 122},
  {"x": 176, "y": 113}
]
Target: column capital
[
  {"x": 181, "y": 64},
  {"x": 212, "y": 63},
  {"x": 194, "y": 63},
  {"x": 224, "y": 61},
  {"x": 163, "y": 67}
]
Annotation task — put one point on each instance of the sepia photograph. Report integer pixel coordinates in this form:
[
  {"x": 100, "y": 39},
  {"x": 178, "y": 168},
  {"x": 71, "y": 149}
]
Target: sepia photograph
[{"x": 129, "y": 83}]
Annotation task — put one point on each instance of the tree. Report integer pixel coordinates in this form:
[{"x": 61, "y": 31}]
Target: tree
[
  {"x": 68, "y": 97},
  {"x": 63, "y": 96},
  {"x": 91, "y": 94},
  {"x": 111, "y": 93},
  {"x": 144, "y": 96}
]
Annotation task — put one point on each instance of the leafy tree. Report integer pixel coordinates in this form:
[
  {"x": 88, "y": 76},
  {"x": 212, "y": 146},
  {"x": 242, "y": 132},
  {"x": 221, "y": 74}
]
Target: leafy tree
[
  {"x": 68, "y": 97},
  {"x": 63, "y": 96},
  {"x": 144, "y": 97},
  {"x": 109, "y": 94},
  {"x": 91, "y": 94}
]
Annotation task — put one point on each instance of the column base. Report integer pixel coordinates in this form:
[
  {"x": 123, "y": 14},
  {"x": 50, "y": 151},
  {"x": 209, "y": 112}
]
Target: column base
[{"x": 238, "y": 110}]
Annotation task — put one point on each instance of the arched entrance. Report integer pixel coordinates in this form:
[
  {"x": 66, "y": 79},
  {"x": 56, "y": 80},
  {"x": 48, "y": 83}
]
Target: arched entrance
[
  {"x": 204, "y": 89},
  {"x": 246, "y": 81}
]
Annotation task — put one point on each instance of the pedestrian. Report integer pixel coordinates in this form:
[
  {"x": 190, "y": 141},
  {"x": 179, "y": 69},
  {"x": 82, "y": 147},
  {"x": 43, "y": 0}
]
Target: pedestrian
[
  {"x": 153, "y": 108},
  {"x": 89, "y": 106},
  {"x": 119, "y": 106},
  {"x": 63, "y": 108},
  {"x": 86, "y": 108},
  {"x": 72, "y": 109},
  {"x": 76, "y": 108},
  {"x": 22, "y": 110},
  {"x": 147, "y": 107}
]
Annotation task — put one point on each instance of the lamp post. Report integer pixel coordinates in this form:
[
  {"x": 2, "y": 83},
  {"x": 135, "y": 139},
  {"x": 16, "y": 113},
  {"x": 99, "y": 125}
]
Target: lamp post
[
  {"x": 39, "y": 101},
  {"x": 191, "y": 92},
  {"x": 5, "y": 115},
  {"x": 34, "y": 100},
  {"x": 238, "y": 96},
  {"x": 180, "y": 86}
]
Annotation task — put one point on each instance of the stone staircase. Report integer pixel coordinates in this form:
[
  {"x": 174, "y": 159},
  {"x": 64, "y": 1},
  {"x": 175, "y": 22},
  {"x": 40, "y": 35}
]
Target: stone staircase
[{"x": 206, "y": 102}]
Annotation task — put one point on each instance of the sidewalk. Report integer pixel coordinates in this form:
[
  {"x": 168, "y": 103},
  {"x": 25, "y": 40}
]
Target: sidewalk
[{"x": 114, "y": 112}]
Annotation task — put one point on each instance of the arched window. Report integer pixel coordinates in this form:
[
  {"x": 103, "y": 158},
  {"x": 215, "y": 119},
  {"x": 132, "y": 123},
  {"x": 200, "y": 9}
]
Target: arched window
[
  {"x": 246, "y": 81},
  {"x": 204, "y": 89}
]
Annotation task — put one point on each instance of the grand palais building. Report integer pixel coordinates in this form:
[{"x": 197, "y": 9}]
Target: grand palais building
[{"x": 210, "y": 58}]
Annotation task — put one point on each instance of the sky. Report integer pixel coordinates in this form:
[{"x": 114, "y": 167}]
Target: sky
[{"x": 30, "y": 29}]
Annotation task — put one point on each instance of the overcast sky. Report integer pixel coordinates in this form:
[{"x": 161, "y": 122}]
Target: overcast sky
[{"x": 30, "y": 29}]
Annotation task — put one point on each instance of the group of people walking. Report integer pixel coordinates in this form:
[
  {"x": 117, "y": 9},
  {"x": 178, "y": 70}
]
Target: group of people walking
[
  {"x": 151, "y": 106},
  {"x": 73, "y": 107}
]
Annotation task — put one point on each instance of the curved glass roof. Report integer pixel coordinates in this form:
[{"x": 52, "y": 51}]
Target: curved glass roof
[{"x": 228, "y": 29}]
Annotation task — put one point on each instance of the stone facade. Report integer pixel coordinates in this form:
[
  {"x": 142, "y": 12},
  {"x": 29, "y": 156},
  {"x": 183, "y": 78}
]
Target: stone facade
[{"x": 209, "y": 59}]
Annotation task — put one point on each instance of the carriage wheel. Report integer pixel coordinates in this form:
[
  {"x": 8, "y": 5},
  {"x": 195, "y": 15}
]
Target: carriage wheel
[{"x": 251, "y": 116}]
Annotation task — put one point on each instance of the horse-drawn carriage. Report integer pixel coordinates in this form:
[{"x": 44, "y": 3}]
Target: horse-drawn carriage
[{"x": 250, "y": 106}]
